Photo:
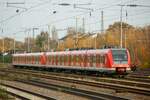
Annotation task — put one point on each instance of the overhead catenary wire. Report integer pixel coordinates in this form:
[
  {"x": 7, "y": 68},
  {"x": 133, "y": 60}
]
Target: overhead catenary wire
[
  {"x": 72, "y": 17},
  {"x": 37, "y": 5}
]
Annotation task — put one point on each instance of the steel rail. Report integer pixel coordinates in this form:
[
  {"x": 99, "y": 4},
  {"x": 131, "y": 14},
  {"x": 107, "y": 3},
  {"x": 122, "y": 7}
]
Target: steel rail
[
  {"x": 27, "y": 91},
  {"x": 118, "y": 87},
  {"x": 84, "y": 93}
]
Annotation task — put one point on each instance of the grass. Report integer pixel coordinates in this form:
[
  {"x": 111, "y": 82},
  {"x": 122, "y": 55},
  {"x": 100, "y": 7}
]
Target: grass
[
  {"x": 3, "y": 65},
  {"x": 4, "y": 95}
]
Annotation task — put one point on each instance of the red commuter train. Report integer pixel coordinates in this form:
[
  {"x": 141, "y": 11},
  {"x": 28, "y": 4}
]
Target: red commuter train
[{"x": 113, "y": 60}]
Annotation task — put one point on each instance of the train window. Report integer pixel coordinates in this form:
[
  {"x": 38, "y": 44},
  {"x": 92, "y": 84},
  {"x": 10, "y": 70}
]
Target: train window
[
  {"x": 71, "y": 58},
  {"x": 97, "y": 58},
  {"x": 29, "y": 59},
  {"x": 18, "y": 60},
  {"x": 102, "y": 59},
  {"x": 50, "y": 59},
  {"x": 74, "y": 58},
  {"x": 66, "y": 58},
  {"x": 58, "y": 58},
  {"x": 37, "y": 58},
  {"x": 54, "y": 59},
  {"x": 62, "y": 58},
  {"x": 77, "y": 58},
  {"x": 14, "y": 59},
  {"x": 81, "y": 58},
  {"x": 88, "y": 58},
  {"x": 94, "y": 58},
  {"x": 91, "y": 58}
]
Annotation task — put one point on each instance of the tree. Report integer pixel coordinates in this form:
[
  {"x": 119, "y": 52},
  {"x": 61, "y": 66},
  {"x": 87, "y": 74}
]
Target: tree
[{"x": 42, "y": 41}]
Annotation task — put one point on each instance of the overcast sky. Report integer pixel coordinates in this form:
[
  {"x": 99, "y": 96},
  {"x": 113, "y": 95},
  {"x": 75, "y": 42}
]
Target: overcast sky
[{"x": 39, "y": 14}]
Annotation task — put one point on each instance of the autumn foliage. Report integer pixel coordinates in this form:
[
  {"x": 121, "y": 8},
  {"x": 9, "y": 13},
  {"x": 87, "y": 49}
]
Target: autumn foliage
[{"x": 136, "y": 39}]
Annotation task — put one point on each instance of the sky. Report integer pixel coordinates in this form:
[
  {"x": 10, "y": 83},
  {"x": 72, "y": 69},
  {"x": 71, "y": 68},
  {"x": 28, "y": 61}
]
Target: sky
[{"x": 39, "y": 14}]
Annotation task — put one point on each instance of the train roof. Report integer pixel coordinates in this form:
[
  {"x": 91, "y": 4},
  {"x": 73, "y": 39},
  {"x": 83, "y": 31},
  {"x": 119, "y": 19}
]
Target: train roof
[
  {"x": 96, "y": 51},
  {"x": 28, "y": 54}
]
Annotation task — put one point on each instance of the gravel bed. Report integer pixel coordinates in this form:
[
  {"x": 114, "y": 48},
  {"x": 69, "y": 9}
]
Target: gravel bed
[
  {"x": 51, "y": 93},
  {"x": 123, "y": 94}
]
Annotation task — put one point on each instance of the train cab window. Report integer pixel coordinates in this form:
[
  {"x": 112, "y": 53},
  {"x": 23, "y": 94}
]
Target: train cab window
[{"x": 119, "y": 56}]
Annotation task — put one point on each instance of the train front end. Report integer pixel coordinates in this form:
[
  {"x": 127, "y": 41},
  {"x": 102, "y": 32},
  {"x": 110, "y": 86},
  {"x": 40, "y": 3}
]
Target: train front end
[{"x": 121, "y": 61}]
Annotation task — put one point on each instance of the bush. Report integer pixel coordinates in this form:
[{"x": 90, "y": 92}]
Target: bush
[
  {"x": 6, "y": 58},
  {"x": 146, "y": 65}
]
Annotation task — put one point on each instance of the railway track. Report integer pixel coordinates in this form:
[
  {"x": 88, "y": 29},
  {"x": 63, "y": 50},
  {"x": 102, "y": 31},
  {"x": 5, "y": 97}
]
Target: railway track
[
  {"x": 115, "y": 84},
  {"x": 75, "y": 91},
  {"x": 23, "y": 94},
  {"x": 97, "y": 78}
]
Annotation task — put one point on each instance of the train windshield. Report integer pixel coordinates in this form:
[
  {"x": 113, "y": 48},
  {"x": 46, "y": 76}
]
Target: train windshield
[{"x": 119, "y": 56}]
